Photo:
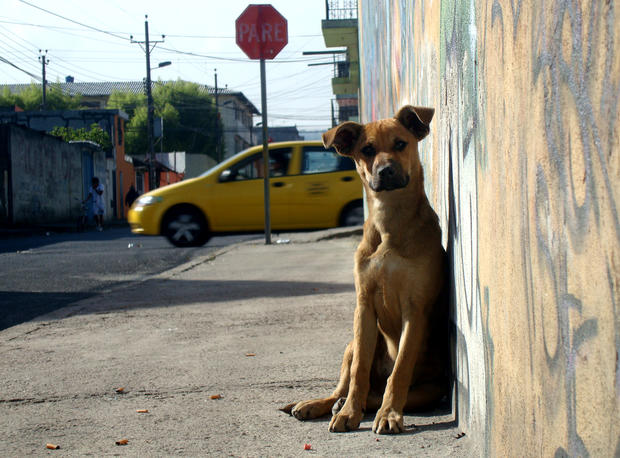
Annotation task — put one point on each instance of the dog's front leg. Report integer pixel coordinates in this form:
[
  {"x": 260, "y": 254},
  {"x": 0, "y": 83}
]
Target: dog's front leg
[
  {"x": 389, "y": 418},
  {"x": 364, "y": 343}
]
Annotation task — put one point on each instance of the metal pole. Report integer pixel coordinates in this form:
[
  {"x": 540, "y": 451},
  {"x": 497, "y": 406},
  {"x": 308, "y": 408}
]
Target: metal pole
[
  {"x": 44, "y": 62},
  {"x": 150, "y": 108},
  {"x": 266, "y": 171},
  {"x": 217, "y": 115}
]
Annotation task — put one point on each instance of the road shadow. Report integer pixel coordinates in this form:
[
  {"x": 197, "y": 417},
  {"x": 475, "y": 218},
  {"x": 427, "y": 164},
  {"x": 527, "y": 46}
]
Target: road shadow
[
  {"x": 18, "y": 307},
  {"x": 173, "y": 292}
]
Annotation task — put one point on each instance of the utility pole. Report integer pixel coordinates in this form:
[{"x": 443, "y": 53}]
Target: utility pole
[
  {"x": 44, "y": 61},
  {"x": 217, "y": 115},
  {"x": 149, "y": 99}
]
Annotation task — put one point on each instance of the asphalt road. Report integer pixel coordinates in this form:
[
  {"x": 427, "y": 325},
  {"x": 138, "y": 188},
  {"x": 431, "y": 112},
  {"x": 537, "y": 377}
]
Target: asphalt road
[{"x": 44, "y": 272}]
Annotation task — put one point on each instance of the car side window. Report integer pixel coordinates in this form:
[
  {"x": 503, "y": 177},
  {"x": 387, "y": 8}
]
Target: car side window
[
  {"x": 247, "y": 169},
  {"x": 320, "y": 160},
  {"x": 252, "y": 167},
  {"x": 279, "y": 160}
]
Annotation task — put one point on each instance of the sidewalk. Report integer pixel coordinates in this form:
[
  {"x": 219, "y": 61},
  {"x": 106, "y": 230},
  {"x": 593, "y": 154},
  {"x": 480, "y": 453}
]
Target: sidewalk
[{"x": 257, "y": 326}]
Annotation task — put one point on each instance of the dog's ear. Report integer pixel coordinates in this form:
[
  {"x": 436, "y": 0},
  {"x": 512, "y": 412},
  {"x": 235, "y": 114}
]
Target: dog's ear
[
  {"x": 416, "y": 119},
  {"x": 343, "y": 137}
]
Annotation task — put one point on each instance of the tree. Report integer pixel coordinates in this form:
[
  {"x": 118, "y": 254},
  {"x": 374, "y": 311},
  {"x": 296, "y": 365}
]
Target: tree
[
  {"x": 190, "y": 118},
  {"x": 94, "y": 134},
  {"x": 31, "y": 98}
]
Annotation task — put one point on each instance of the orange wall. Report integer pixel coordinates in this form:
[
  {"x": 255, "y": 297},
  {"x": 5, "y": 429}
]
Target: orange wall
[{"x": 123, "y": 167}]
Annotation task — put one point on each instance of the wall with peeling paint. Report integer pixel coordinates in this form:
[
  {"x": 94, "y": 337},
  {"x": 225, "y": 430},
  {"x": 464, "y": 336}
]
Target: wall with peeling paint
[{"x": 523, "y": 168}]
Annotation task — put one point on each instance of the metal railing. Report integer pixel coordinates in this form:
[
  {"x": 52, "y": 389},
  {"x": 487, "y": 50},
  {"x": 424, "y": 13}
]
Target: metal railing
[{"x": 340, "y": 9}]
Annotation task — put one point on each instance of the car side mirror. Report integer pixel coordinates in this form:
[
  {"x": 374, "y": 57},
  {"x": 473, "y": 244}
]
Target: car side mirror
[{"x": 226, "y": 175}]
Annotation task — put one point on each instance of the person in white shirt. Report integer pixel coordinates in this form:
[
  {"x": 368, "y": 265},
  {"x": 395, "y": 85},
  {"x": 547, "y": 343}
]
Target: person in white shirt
[{"x": 96, "y": 194}]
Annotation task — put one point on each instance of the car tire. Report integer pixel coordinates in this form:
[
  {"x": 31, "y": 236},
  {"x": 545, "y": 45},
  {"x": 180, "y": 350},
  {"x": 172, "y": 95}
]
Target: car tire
[
  {"x": 353, "y": 214},
  {"x": 185, "y": 226}
]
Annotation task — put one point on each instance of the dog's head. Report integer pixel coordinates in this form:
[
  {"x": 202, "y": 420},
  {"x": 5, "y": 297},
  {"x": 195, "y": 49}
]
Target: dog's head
[{"x": 385, "y": 151}]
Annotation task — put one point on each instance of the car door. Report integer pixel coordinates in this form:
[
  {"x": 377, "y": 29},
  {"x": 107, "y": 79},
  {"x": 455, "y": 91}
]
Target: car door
[
  {"x": 325, "y": 184},
  {"x": 238, "y": 197}
]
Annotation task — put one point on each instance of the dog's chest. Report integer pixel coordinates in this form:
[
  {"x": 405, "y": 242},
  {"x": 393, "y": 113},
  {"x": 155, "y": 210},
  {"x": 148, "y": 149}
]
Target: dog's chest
[{"x": 391, "y": 279}]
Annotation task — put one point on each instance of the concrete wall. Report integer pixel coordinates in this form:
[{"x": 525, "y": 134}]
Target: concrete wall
[
  {"x": 120, "y": 174},
  {"x": 522, "y": 166},
  {"x": 46, "y": 182},
  {"x": 197, "y": 164}
]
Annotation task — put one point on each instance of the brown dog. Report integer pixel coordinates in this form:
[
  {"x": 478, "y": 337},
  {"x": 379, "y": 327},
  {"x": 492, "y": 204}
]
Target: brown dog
[{"x": 399, "y": 356}]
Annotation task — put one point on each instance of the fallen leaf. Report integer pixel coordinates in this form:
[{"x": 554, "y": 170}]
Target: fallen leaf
[
  {"x": 307, "y": 447},
  {"x": 216, "y": 396},
  {"x": 120, "y": 390},
  {"x": 52, "y": 446},
  {"x": 122, "y": 442},
  {"x": 142, "y": 411}
]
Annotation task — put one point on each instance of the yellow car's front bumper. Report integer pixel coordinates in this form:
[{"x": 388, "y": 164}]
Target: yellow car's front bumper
[{"x": 145, "y": 220}]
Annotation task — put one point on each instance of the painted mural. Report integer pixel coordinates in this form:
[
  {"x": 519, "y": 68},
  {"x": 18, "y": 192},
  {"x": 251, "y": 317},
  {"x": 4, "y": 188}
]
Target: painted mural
[{"x": 523, "y": 168}]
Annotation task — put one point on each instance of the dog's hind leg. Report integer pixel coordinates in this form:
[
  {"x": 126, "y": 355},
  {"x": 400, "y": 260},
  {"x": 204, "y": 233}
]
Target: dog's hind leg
[{"x": 315, "y": 408}]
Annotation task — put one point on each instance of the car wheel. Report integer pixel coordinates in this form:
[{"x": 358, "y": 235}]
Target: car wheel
[
  {"x": 186, "y": 227},
  {"x": 353, "y": 215}
]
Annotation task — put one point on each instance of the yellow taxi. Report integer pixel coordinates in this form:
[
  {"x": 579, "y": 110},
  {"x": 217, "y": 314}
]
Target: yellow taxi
[{"x": 310, "y": 188}]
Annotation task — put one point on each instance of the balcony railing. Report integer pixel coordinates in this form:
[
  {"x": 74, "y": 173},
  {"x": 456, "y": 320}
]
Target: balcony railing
[
  {"x": 340, "y": 9},
  {"x": 341, "y": 69}
]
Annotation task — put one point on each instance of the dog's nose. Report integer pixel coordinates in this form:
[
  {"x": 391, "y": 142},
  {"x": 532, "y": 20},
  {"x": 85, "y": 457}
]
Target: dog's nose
[{"x": 386, "y": 171}]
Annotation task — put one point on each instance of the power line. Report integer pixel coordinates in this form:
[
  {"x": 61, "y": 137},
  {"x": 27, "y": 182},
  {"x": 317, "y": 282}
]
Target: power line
[
  {"x": 6, "y": 61},
  {"x": 73, "y": 21},
  {"x": 244, "y": 60}
]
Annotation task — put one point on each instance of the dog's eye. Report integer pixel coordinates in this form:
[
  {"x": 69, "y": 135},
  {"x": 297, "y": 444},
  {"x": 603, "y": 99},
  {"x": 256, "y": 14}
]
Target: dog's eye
[
  {"x": 400, "y": 145},
  {"x": 369, "y": 150}
]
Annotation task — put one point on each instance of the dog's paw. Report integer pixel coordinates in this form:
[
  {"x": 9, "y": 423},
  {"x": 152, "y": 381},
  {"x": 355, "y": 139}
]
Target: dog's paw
[
  {"x": 388, "y": 421},
  {"x": 345, "y": 420},
  {"x": 308, "y": 410},
  {"x": 338, "y": 405}
]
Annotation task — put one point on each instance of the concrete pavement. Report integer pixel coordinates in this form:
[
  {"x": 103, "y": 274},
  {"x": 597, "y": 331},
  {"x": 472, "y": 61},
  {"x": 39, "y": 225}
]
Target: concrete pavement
[{"x": 211, "y": 350}]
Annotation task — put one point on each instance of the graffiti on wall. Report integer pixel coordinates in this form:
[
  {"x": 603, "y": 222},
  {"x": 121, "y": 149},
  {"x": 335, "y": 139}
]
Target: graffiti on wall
[
  {"x": 523, "y": 170},
  {"x": 559, "y": 58},
  {"x": 462, "y": 141}
]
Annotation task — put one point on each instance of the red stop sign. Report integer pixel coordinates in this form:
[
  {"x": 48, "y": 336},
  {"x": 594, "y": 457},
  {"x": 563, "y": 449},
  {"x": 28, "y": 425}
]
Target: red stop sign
[{"x": 262, "y": 32}]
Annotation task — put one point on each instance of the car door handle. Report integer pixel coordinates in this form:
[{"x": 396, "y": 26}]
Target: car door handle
[
  {"x": 347, "y": 178},
  {"x": 277, "y": 184}
]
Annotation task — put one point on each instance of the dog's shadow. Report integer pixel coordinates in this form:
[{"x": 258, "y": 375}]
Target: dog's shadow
[{"x": 424, "y": 421}]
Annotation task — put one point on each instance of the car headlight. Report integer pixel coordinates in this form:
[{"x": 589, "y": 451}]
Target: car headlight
[{"x": 148, "y": 200}]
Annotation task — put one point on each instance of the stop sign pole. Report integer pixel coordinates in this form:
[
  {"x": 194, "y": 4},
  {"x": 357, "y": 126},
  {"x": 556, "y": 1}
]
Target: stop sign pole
[
  {"x": 261, "y": 33},
  {"x": 266, "y": 164}
]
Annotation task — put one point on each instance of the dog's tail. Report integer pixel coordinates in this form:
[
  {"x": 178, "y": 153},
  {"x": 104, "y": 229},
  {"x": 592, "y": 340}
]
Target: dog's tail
[{"x": 288, "y": 408}]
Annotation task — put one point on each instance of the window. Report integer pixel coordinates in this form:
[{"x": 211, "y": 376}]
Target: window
[
  {"x": 319, "y": 160},
  {"x": 252, "y": 167},
  {"x": 139, "y": 183}
]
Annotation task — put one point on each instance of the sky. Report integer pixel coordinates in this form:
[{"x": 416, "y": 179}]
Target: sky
[{"x": 90, "y": 40}]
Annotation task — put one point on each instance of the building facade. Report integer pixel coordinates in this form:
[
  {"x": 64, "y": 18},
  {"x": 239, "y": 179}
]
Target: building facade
[{"x": 340, "y": 30}]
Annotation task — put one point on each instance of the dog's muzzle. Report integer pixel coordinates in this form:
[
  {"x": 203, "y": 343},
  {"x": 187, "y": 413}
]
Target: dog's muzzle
[{"x": 388, "y": 177}]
